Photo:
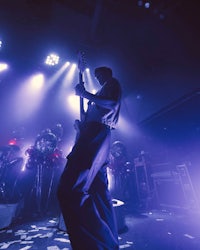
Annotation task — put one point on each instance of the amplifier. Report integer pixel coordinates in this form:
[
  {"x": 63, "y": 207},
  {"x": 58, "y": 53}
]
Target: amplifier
[{"x": 169, "y": 192}]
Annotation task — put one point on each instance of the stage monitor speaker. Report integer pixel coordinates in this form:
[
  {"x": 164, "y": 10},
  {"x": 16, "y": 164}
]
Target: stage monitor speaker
[
  {"x": 7, "y": 214},
  {"x": 170, "y": 193}
]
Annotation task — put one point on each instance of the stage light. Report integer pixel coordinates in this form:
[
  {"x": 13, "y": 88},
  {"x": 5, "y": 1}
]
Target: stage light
[
  {"x": 74, "y": 65},
  {"x": 67, "y": 64},
  {"x": 73, "y": 105},
  {"x": 70, "y": 76},
  {"x": 1, "y": 43},
  {"x": 53, "y": 79},
  {"x": 37, "y": 81},
  {"x": 52, "y": 60},
  {"x": 28, "y": 97},
  {"x": 3, "y": 66},
  {"x": 12, "y": 142},
  {"x": 147, "y": 5},
  {"x": 90, "y": 82},
  {"x": 73, "y": 102}
]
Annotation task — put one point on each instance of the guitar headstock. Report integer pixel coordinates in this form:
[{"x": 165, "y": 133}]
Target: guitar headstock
[{"x": 81, "y": 61}]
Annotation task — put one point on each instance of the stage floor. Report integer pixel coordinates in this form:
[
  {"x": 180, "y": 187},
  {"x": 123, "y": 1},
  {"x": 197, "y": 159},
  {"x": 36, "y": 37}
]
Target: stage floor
[{"x": 152, "y": 230}]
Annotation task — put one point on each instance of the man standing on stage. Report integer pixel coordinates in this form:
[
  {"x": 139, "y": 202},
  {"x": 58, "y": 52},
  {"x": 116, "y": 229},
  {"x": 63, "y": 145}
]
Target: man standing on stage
[{"x": 83, "y": 192}]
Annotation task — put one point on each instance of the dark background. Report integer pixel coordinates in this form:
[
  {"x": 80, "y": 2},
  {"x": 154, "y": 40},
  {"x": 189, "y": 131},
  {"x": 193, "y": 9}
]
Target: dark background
[{"x": 154, "y": 52}]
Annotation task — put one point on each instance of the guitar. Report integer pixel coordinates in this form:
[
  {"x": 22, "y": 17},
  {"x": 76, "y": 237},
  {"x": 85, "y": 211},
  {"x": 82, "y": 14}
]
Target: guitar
[{"x": 81, "y": 67}]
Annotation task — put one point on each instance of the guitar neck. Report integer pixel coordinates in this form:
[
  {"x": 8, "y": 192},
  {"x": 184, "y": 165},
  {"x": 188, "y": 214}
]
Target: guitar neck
[
  {"x": 81, "y": 67},
  {"x": 81, "y": 99}
]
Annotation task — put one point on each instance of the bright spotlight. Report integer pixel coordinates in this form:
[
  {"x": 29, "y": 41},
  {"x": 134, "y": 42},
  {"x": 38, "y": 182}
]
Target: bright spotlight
[
  {"x": 37, "y": 81},
  {"x": 147, "y": 5},
  {"x": 29, "y": 96},
  {"x": 74, "y": 65},
  {"x": 69, "y": 78},
  {"x": 1, "y": 43},
  {"x": 91, "y": 84},
  {"x": 73, "y": 103},
  {"x": 52, "y": 60},
  {"x": 67, "y": 64},
  {"x": 3, "y": 66}
]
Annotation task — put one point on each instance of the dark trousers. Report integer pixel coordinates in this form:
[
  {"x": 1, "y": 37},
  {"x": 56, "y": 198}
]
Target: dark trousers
[{"x": 83, "y": 193}]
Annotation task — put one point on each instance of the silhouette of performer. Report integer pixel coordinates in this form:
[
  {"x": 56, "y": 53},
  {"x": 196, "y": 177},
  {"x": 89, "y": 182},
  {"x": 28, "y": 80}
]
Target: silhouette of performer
[{"x": 83, "y": 192}]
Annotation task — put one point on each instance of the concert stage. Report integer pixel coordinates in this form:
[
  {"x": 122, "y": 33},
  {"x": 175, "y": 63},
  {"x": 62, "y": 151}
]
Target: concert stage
[{"x": 152, "y": 230}]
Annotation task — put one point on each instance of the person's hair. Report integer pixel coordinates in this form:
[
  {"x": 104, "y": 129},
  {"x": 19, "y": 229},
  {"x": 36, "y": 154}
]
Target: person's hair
[{"x": 103, "y": 70}]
